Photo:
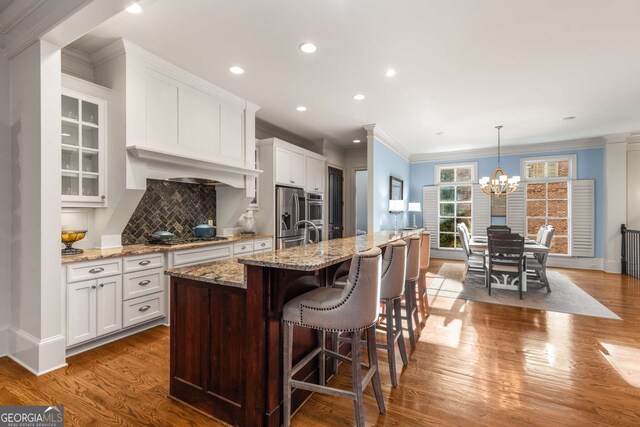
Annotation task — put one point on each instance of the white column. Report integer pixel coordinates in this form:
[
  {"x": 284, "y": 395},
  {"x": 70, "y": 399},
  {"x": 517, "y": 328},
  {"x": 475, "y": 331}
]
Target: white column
[
  {"x": 633, "y": 186},
  {"x": 5, "y": 207},
  {"x": 37, "y": 338},
  {"x": 615, "y": 211}
]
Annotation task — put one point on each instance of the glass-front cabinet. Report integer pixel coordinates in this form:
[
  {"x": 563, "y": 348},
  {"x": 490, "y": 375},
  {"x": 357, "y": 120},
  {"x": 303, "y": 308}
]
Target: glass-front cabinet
[{"x": 83, "y": 149}]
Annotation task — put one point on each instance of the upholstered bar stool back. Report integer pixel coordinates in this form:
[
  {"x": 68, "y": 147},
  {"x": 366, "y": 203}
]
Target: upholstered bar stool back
[
  {"x": 425, "y": 254},
  {"x": 352, "y": 309},
  {"x": 393, "y": 270},
  {"x": 412, "y": 276}
]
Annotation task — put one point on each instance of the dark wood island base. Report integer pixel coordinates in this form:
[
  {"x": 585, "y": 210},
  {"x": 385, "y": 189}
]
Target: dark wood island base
[{"x": 226, "y": 339}]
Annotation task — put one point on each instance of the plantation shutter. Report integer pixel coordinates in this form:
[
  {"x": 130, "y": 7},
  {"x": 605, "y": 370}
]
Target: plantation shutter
[
  {"x": 582, "y": 218},
  {"x": 481, "y": 215},
  {"x": 516, "y": 210},
  {"x": 430, "y": 209}
]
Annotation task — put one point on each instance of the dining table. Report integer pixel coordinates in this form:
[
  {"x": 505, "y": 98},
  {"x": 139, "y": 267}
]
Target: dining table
[{"x": 480, "y": 244}]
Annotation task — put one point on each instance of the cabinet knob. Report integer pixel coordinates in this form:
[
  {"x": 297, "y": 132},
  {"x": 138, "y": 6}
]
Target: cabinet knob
[
  {"x": 93, "y": 286},
  {"x": 103, "y": 197},
  {"x": 96, "y": 270},
  {"x": 144, "y": 282},
  {"x": 102, "y": 285},
  {"x": 145, "y": 262},
  {"x": 144, "y": 308},
  {"x": 317, "y": 188}
]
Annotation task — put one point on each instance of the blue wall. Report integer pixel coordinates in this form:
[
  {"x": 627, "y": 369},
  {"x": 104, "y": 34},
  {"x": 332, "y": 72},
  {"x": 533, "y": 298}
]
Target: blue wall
[
  {"x": 590, "y": 166},
  {"x": 387, "y": 162}
]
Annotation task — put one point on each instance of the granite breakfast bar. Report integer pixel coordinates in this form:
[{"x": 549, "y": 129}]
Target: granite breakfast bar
[{"x": 226, "y": 333}]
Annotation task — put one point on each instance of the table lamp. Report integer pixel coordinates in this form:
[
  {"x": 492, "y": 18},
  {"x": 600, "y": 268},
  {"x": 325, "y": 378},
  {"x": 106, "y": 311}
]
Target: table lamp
[
  {"x": 396, "y": 207},
  {"x": 414, "y": 207}
]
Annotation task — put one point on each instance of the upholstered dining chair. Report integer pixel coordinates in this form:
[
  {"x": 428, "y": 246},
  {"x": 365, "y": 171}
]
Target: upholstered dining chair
[
  {"x": 537, "y": 264},
  {"x": 474, "y": 262}
]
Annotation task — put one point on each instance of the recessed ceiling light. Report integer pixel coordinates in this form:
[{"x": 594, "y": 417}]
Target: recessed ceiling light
[
  {"x": 358, "y": 97},
  {"x": 236, "y": 70},
  {"x": 135, "y": 8},
  {"x": 569, "y": 118},
  {"x": 439, "y": 133},
  {"x": 390, "y": 72},
  {"x": 308, "y": 47},
  {"x": 301, "y": 108},
  {"x": 356, "y": 141}
]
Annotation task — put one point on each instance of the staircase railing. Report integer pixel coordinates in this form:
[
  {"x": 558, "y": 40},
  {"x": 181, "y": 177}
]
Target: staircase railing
[{"x": 630, "y": 251}]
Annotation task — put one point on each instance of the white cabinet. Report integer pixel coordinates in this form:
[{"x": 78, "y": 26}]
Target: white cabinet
[
  {"x": 109, "y": 305},
  {"x": 289, "y": 167},
  {"x": 200, "y": 255},
  {"x": 262, "y": 245},
  {"x": 94, "y": 308},
  {"x": 316, "y": 171},
  {"x": 83, "y": 142}
]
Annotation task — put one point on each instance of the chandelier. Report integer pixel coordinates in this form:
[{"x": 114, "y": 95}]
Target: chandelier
[{"x": 499, "y": 183}]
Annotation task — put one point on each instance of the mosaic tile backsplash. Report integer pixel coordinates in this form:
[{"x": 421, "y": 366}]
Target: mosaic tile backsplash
[{"x": 170, "y": 206}]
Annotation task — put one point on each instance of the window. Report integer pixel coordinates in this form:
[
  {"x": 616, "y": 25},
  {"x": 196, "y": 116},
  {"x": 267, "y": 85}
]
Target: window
[
  {"x": 548, "y": 198},
  {"x": 455, "y": 193},
  {"x": 548, "y": 168},
  {"x": 548, "y": 204}
]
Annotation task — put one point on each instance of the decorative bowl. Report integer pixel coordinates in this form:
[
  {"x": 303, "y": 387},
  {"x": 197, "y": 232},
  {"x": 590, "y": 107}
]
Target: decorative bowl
[{"x": 69, "y": 237}]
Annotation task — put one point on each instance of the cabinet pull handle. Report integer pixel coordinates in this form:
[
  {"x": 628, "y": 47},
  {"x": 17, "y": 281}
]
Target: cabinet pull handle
[
  {"x": 93, "y": 286},
  {"x": 243, "y": 247},
  {"x": 263, "y": 244},
  {"x": 144, "y": 308},
  {"x": 145, "y": 262},
  {"x": 96, "y": 270},
  {"x": 292, "y": 181},
  {"x": 316, "y": 188},
  {"x": 144, "y": 282}
]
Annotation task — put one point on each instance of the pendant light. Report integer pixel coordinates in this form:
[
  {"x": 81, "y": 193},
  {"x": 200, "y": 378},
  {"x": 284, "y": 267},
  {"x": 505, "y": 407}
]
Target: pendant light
[{"x": 499, "y": 183}]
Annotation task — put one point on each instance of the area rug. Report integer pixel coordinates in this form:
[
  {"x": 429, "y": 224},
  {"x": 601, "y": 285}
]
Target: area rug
[{"x": 565, "y": 296}]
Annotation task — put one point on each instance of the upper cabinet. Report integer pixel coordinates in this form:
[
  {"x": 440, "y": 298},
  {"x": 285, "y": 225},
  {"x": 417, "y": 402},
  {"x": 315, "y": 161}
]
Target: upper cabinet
[
  {"x": 316, "y": 173},
  {"x": 83, "y": 143},
  {"x": 289, "y": 167}
]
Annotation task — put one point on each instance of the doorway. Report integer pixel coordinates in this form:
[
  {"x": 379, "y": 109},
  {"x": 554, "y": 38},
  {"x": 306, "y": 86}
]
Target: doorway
[
  {"x": 336, "y": 203},
  {"x": 361, "y": 202}
]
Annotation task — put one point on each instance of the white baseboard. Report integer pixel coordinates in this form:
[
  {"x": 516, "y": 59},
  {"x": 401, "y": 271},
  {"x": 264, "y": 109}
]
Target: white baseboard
[
  {"x": 114, "y": 337},
  {"x": 5, "y": 330},
  {"x": 36, "y": 356},
  {"x": 612, "y": 266}
]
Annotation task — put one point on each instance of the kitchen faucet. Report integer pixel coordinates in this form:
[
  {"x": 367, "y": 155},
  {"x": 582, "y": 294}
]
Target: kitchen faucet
[{"x": 306, "y": 221}]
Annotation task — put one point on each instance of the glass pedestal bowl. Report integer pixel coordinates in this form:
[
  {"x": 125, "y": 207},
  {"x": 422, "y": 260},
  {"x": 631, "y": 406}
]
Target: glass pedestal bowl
[{"x": 69, "y": 237}]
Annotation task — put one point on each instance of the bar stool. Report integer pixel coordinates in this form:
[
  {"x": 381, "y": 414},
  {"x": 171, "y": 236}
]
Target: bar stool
[
  {"x": 352, "y": 309},
  {"x": 425, "y": 253},
  {"x": 412, "y": 276},
  {"x": 391, "y": 293}
]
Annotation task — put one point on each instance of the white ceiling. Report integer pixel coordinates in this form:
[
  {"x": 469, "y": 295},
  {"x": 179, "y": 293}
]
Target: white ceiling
[{"x": 463, "y": 66}]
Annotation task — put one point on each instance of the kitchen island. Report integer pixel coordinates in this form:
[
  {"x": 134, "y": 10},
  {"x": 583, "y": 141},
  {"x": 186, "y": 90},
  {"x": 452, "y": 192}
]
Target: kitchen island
[{"x": 226, "y": 334}]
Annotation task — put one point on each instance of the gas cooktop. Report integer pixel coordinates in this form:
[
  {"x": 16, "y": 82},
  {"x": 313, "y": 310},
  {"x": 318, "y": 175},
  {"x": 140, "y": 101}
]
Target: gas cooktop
[{"x": 184, "y": 240}]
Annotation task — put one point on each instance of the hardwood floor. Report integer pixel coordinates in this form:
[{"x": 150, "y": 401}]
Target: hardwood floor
[{"x": 475, "y": 364}]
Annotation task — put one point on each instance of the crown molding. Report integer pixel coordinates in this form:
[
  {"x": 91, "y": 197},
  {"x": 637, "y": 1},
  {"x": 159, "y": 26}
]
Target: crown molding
[
  {"x": 375, "y": 131},
  {"x": 576, "y": 144},
  {"x": 16, "y": 12},
  {"x": 270, "y": 130}
]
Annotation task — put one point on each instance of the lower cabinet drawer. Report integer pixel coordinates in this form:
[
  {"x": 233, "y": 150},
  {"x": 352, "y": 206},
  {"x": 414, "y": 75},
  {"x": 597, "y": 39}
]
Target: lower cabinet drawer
[
  {"x": 143, "y": 283},
  {"x": 263, "y": 245},
  {"x": 201, "y": 255},
  {"x": 142, "y": 309},
  {"x": 242, "y": 248},
  {"x": 81, "y": 271}
]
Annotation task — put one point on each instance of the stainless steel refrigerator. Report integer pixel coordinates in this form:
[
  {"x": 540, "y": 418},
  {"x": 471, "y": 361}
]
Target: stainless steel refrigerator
[{"x": 290, "y": 208}]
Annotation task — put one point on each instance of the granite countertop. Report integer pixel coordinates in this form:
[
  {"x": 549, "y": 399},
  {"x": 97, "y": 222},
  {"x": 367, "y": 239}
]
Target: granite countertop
[
  {"x": 314, "y": 257},
  {"x": 130, "y": 250},
  {"x": 227, "y": 273}
]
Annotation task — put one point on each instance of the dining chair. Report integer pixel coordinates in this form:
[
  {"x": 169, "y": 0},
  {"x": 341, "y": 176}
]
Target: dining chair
[
  {"x": 506, "y": 257},
  {"x": 498, "y": 229},
  {"x": 537, "y": 264},
  {"x": 473, "y": 261}
]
